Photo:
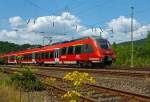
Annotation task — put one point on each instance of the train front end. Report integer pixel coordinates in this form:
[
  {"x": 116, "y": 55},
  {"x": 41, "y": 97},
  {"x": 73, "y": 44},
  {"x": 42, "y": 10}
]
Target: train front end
[{"x": 105, "y": 51}]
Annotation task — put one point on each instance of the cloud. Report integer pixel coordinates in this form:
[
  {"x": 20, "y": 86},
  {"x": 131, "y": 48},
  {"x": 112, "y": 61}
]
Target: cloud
[
  {"x": 16, "y": 21},
  {"x": 123, "y": 24},
  {"x": 54, "y": 24},
  {"x": 20, "y": 37},
  {"x": 94, "y": 32},
  {"x": 122, "y": 29},
  {"x": 142, "y": 32},
  {"x": 68, "y": 24},
  {"x": 41, "y": 26}
]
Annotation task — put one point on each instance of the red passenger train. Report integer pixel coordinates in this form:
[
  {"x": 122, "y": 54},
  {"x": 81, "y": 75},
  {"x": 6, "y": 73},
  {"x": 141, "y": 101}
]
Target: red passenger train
[{"x": 87, "y": 51}]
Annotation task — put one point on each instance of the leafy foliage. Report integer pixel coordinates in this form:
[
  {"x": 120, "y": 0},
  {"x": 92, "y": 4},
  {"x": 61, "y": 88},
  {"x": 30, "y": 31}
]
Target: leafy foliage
[
  {"x": 72, "y": 96},
  {"x": 141, "y": 52},
  {"x": 6, "y": 47},
  {"x": 77, "y": 80},
  {"x": 26, "y": 80},
  {"x": 50, "y": 80},
  {"x": 19, "y": 57},
  {"x": 2, "y": 61}
]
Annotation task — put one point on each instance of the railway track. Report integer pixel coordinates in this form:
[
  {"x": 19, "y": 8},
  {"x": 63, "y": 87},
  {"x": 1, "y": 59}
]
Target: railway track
[
  {"x": 108, "y": 93},
  {"x": 119, "y": 72},
  {"x": 75, "y": 66},
  {"x": 58, "y": 89}
]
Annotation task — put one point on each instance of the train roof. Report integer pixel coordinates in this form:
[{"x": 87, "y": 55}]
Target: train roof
[
  {"x": 82, "y": 38},
  {"x": 49, "y": 47}
]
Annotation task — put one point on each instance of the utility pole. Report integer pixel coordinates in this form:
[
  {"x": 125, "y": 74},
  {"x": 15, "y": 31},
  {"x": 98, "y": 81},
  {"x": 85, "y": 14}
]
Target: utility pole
[
  {"x": 101, "y": 30},
  {"x": 43, "y": 41},
  {"x": 100, "y": 34},
  {"x": 49, "y": 38},
  {"x": 132, "y": 14}
]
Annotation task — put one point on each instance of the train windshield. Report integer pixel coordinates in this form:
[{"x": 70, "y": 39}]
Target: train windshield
[{"x": 103, "y": 43}]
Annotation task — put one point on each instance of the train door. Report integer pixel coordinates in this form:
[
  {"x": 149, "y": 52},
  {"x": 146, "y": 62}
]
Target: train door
[
  {"x": 56, "y": 56},
  {"x": 33, "y": 58}
]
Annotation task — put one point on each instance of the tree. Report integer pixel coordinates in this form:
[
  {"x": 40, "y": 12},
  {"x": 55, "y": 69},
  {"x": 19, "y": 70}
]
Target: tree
[
  {"x": 2, "y": 60},
  {"x": 114, "y": 45},
  {"x": 148, "y": 40}
]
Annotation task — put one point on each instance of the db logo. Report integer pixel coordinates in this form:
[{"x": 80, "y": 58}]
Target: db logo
[
  {"x": 77, "y": 56},
  {"x": 107, "y": 52},
  {"x": 63, "y": 56}
]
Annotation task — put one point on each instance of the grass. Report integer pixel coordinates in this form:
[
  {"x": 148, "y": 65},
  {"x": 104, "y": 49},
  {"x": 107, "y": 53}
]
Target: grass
[
  {"x": 9, "y": 93},
  {"x": 27, "y": 81}
]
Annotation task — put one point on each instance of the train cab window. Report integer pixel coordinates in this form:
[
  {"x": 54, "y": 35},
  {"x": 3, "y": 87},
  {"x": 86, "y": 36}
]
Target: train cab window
[
  {"x": 70, "y": 50},
  {"x": 78, "y": 49},
  {"x": 63, "y": 51},
  {"x": 88, "y": 48},
  {"x": 102, "y": 43}
]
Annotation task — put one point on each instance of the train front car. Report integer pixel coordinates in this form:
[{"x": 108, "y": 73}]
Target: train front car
[{"x": 104, "y": 51}]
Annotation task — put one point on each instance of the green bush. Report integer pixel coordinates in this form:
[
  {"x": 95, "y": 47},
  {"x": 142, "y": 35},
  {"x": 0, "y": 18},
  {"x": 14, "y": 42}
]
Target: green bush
[
  {"x": 2, "y": 70},
  {"x": 2, "y": 61},
  {"x": 141, "y": 53},
  {"x": 27, "y": 81}
]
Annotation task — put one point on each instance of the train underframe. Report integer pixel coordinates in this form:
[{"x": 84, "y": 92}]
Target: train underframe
[{"x": 94, "y": 63}]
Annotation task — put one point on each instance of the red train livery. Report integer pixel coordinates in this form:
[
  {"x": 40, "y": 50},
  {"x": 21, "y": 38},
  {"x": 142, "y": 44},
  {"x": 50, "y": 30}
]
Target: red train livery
[{"x": 87, "y": 51}]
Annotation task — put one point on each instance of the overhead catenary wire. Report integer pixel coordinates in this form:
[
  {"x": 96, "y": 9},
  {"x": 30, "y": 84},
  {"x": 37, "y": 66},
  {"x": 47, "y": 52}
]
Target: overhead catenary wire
[
  {"x": 79, "y": 5},
  {"x": 37, "y": 6},
  {"x": 53, "y": 24},
  {"x": 93, "y": 7},
  {"x": 49, "y": 12}
]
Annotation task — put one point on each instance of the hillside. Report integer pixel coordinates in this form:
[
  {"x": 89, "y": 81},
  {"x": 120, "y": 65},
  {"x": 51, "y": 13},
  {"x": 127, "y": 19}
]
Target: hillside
[
  {"x": 122, "y": 50},
  {"x": 141, "y": 52},
  {"x": 137, "y": 42},
  {"x": 6, "y": 47}
]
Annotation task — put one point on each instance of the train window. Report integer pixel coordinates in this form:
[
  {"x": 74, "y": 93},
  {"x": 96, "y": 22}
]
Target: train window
[
  {"x": 37, "y": 55},
  {"x": 43, "y": 55},
  {"x": 30, "y": 56},
  {"x": 88, "y": 48},
  {"x": 33, "y": 55},
  {"x": 103, "y": 43},
  {"x": 12, "y": 58},
  {"x": 47, "y": 55},
  {"x": 70, "y": 50},
  {"x": 63, "y": 51},
  {"x": 27, "y": 56},
  {"x": 78, "y": 49},
  {"x": 52, "y": 55}
]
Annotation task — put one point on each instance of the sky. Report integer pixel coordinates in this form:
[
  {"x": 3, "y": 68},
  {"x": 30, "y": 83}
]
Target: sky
[{"x": 28, "y": 21}]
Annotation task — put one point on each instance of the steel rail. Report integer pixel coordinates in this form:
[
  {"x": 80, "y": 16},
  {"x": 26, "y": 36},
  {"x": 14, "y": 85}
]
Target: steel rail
[
  {"x": 131, "y": 73},
  {"x": 109, "y": 90},
  {"x": 63, "y": 91},
  {"x": 83, "y": 98}
]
